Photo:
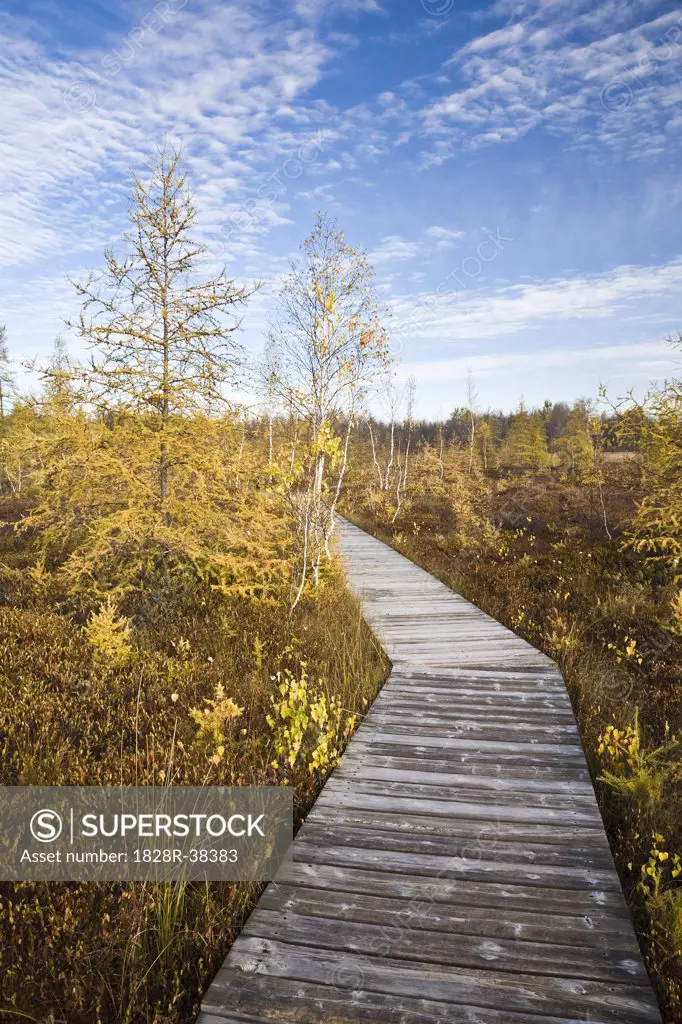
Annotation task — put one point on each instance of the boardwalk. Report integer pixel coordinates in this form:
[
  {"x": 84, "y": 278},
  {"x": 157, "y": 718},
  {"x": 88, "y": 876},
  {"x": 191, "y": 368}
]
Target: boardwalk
[{"x": 455, "y": 868}]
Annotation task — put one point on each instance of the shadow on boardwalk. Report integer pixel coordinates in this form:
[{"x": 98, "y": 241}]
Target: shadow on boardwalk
[{"x": 455, "y": 867}]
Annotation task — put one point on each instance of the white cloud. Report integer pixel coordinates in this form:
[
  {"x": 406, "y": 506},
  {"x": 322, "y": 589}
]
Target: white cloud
[
  {"x": 394, "y": 248},
  {"x": 314, "y": 9},
  {"x": 584, "y": 70},
  {"x": 72, "y": 130},
  {"x": 444, "y": 238},
  {"x": 452, "y": 315},
  {"x": 501, "y": 37},
  {"x": 650, "y": 357}
]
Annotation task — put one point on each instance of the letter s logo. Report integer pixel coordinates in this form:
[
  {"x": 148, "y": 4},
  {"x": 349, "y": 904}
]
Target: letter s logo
[{"x": 46, "y": 826}]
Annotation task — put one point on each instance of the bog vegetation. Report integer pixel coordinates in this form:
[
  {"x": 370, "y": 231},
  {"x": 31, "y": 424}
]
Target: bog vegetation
[
  {"x": 565, "y": 523},
  {"x": 168, "y": 612},
  {"x": 171, "y": 612}
]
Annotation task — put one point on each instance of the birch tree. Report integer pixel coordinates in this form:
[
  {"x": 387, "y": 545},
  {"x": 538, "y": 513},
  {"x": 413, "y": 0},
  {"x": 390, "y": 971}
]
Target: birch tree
[
  {"x": 326, "y": 348},
  {"x": 472, "y": 396}
]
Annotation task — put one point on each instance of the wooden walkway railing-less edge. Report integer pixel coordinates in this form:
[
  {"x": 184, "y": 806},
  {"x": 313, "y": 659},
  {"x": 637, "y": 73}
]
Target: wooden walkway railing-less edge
[{"x": 455, "y": 867}]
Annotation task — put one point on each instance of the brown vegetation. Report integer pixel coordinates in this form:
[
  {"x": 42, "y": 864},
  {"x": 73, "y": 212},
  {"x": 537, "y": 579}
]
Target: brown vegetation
[{"x": 554, "y": 555}]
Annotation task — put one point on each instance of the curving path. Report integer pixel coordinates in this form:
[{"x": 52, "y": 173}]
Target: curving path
[{"x": 455, "y": 867}]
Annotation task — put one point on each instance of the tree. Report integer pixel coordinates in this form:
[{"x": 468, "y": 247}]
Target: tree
[
  {"x": 485, "y": 445},
  {"x": 326, "y": 348},
  {"x": 576, "y": 442},
  {"x": 6, "y": 374},
  {"x": 402, "y": 474},
  {"x": 525, "y": 446},
  {"x": 142, "y": 481},
  {"x": 58, "y": 378},
  {"x": 555, "y": 416},
  {"x": 162, "y": 340},
  {"x": 472, "y": 396},
  {"x": 19, "y": 448},
  {"x": 654, "y": 430}
]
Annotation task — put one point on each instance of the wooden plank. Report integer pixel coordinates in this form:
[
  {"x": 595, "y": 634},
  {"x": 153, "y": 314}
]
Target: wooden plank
[
  {"x": 309, "y": 1003},
  {"x": 403, "y": 940},
  {"x": 431, "y": 891},
  {"x": 237, "y": 1018},
  {"x": 366, "y": 782},
  {"x": 469, "y": 754},
  {"x": 452, "y": 726},
  {"x": 473, "y": 846},
  {"x": 586, "y": 931},
  {"x": 361, "y": 796},
  {"x": 458, "y": 828},
  {"x": 455, "y": 866},
  {"x": 441, "y": 773},
  {"x": 401, "y": 734},
  {"x": 494, "y": 989}
]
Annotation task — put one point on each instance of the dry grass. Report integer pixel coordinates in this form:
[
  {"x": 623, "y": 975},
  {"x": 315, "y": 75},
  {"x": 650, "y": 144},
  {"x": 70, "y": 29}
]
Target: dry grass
[{"x": 133, "y": 953}]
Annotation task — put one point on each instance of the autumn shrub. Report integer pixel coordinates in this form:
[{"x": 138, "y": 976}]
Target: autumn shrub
[{"x": 182, "y": 699}]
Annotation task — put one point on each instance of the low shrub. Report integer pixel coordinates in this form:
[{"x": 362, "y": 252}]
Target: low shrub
[{"x": 184, "y": 699}]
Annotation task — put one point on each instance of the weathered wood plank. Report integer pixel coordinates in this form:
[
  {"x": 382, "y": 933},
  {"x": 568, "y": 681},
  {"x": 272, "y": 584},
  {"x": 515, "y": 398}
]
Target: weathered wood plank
[
  {"x": 406, "y": 941},
  {"x": 473, "y": 847},
  {"x": 455, "y": 867},
  {"x": 459, "y": 828},
  {"x": 587, "y": 931},
  {"x": 432, "y": 890},
  {"x": 358, "y": 782},
  {"x": 441, "y": 773},
  {"x": 495, "y": 989},
  {"x": 305, "y": 1003}
]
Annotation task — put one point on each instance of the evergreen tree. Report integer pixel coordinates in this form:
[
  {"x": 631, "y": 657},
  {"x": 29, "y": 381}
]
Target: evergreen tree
[
  {"x": 575, "y": 444},
  {"x": 525, "y": 445},
  {"x": 485, "y": 446},
  {"x": 162, "y": 340}
]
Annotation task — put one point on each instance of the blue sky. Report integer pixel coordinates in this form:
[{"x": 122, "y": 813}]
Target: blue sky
[{"x": 511, "y": 167}]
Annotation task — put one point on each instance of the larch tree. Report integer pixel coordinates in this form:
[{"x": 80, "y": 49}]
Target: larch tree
[
  {"x": 525, "y": 446},
  {"x": 141, "y": 482},
  {"x": 575, "y": 443},
  {"x": 654, "y": 430},
  {"x": 326, "y": 348},
  {"x": 163, "y": 341},
  {"x": 485, "y": 445}
]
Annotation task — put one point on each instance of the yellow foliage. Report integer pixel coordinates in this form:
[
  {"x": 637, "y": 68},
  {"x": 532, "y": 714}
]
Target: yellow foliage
[
  {"x": 214, "y": 720},
  {"x": 109, "y": 635},
  {"x": 308, "y": 729},
  {"x": 631, "y": 770}
]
